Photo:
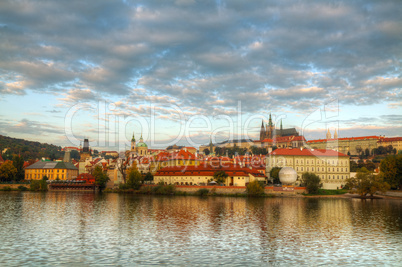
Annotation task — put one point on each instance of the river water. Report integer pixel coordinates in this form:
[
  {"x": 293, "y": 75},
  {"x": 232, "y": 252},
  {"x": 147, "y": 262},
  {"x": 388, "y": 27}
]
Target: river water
[{"x": 85, "y": 229}]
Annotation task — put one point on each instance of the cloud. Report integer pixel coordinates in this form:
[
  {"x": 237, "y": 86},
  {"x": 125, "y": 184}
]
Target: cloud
[
  {"x": 33, "y": 128},
  {"x": 204, "y": 56}
]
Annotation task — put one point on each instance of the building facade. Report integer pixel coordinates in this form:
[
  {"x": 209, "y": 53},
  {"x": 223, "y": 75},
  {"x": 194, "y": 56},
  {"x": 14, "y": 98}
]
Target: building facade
[
  {"x": 52, "y": 170},
  {"x": 332, "y": 167},
  {"x": 348, "y": 145},
  {"x": 202, "y": 174}
]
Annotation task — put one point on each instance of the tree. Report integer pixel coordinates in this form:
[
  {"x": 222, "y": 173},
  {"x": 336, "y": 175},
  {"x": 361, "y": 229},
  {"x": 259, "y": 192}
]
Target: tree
[
  {"x": 274, "y": 174},
  {"x": 18, "y": 163},
  {"x": 312, "y": 182},
  {"x": 220, "y": 177},
  {"x": 101, "y": 178},
  {"x": 218, "y": 151},
  {"x": 391, "y": 169},
  {"x": 254, "y": 188},
  {"x": 367, "y": 152},
  {"x": 206, "y": 151},
  {"x": 7, "y": 171},
  {"x": 121, "y": 167},
  {"x": 366, "y": 183},
  {"x": 134, "y": 179},
  {"x": 74, "y": 154},
  {"x": 149, "y": 177}
]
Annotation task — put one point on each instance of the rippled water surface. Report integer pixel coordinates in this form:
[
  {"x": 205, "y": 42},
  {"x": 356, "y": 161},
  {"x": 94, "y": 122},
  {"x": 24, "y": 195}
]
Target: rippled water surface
[{"x": 81, "y": 229}]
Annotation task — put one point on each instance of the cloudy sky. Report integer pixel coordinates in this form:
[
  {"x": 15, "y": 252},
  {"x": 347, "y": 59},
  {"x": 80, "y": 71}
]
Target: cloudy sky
[{"x": 180, "y": 71}]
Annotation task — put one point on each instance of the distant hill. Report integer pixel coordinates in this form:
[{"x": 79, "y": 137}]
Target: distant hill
[{"x": 28, "y": 149}]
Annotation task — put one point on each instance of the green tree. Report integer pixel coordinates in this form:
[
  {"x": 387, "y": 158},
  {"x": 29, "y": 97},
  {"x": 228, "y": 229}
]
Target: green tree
[
  {"x": 220, "y": 177},
  {"x": 74, "y": 154},
  {"x": 312, "y": 182},
  {"x": 101, "y": 178},
  {"x": 391, "y": 170},
  {"x": 367, "y": 152},
  {"x": 254, "y": 188},
  {"x": 149, "y": 177},
  {"x": 206, "y": 151},
  {"x": 134, "y": 179},
  {"x": 366, "y": 183},
  {"x": 7, "y": 171},
  {"x": 274, "y": 174},
  {"x": 18, "y": 163}
]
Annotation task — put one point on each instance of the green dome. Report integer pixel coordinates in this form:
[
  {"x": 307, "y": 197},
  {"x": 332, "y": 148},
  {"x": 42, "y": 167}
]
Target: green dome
[{"x": 141, "y": 144}]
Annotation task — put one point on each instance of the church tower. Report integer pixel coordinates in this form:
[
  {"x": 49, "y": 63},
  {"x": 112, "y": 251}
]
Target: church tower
[
  {"x": 271, "y": 128},
  {"x": 328, "y": 134},
  {"x": 133, "y": 143},
  {"x": 335, "y": 135},
  {"x": 262, "y": 131}
]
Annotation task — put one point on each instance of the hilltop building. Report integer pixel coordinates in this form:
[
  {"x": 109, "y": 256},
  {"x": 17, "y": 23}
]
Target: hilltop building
[{"x": 347, "y": 145}]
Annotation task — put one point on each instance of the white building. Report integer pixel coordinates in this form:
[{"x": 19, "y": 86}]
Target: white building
[{"x": 331, "y": 166}]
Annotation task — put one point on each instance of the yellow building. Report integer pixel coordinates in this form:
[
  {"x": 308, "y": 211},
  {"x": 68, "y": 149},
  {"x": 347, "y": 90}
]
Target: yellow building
[
  {"x": 351, "y": 145},
  {"x": 52, "y": 170},
  {"x": 332, "y": 167},
  {"x": 395, "y": 142}
]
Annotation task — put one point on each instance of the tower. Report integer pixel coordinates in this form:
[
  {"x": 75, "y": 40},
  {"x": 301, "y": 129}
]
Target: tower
[
  {"x": 271, "y": 128},
  {"x": 133, "y": 143},
  {"x": 335, "y": 135},
  {"x": 262, "y": 131},
  {"x": 328, "y": 134}
]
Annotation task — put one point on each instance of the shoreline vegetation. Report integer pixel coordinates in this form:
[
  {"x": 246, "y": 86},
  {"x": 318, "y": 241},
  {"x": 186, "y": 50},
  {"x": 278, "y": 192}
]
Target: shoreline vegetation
[{"x": 171, "y": 190}]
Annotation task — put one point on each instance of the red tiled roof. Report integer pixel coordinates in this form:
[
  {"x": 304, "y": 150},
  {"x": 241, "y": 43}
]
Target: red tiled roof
[
  {"x": 289, "y": 138},
  {"x": 207, "y": 170},
  {"x": 390, "y": 139},
  {"x": 307, "y": 152}
]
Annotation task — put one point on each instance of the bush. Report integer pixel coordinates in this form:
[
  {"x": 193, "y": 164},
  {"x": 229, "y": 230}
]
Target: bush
[
  {"x": 38, "y": 185},
  {"x": 254, "y": 188},
  {"x": 202, "y": 192},
  {"x": 165, "y": 189},
  {"x": 22, "y": 188},
  {"x": 6, "y": 188}
]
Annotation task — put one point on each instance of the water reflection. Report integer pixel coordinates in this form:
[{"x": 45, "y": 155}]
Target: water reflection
[{"x": 77, "y": 228}]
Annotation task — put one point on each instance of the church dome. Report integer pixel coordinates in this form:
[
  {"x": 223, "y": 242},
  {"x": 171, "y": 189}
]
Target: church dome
[{"x": 141, "y": 144}]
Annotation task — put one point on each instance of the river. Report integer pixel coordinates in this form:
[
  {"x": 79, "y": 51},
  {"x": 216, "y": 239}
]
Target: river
[{"x": 85, "y": 229}]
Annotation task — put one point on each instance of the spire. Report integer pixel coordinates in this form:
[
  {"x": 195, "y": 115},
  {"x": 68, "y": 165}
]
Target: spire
[
  {"x": 133, "y": 139},
  {"x": 141, "y": 140},
  {"x": 270, "y": 120},
  {"x": 328, "y": 134},
  {"x": 262, "y": 124},
  {"x": 335, "y": 135},
  {"x": 281, "y": 126}
]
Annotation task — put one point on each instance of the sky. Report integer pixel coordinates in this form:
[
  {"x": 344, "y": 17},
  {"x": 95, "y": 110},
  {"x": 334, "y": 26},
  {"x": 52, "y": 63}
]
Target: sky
[{"x": 186, "y": 71}]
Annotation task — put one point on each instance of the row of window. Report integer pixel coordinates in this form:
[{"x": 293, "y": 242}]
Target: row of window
[
  {"x": 40, "y": 176},
  {"x": 45, "y": 170},
  {"x": 322, "y": 169}
]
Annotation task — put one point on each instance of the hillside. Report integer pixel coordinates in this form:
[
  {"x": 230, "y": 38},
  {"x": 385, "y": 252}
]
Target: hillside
[{"x": 28, "y": 149}]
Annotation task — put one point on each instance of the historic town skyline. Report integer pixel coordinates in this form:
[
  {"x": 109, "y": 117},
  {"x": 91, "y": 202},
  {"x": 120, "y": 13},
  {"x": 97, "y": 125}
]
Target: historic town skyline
[{"x": 82, "y": 66}]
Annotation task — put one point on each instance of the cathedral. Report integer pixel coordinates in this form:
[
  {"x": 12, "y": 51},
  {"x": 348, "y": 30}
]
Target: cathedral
[{"x": 269, "y": 131}]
